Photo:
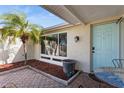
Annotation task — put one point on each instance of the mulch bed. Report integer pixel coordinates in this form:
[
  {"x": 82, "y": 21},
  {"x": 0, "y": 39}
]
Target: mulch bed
[
  {"x": 52, "y": 69},
  {"x": 6, "y": 67}
]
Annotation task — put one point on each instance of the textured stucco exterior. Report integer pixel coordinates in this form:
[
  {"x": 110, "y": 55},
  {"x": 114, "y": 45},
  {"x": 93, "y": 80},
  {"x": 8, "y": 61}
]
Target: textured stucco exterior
[
  {"x": 10, "y": 53},
  {"x": 80, "y": 51}
]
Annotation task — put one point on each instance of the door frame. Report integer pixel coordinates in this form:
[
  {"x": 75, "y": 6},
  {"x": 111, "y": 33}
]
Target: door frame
[{"x": 91, "y": 40}]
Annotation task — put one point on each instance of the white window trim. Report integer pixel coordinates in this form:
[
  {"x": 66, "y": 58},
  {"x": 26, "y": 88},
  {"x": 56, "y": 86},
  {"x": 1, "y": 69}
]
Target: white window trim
[{"x": 52, "y": 56}]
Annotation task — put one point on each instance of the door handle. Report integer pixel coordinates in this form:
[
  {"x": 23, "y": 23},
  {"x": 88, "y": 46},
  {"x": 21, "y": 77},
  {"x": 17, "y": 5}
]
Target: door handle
[
  {"x": 93, "y": 51},
  {"x": 93, "y": 48}
]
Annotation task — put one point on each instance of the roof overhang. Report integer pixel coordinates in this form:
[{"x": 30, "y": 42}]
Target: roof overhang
[
  {"x": 62, "y": 12},
  {"x": 85, "y": 14}
]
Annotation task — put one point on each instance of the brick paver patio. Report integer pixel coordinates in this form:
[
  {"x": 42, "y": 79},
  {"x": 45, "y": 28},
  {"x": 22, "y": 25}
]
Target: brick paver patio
[{"x": 28, "y": 78}]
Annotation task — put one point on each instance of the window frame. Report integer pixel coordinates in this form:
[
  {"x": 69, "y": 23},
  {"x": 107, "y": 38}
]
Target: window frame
[{"x": 58, "y": 56}]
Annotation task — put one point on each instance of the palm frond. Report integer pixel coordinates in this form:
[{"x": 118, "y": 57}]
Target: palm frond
[
  {"x": 16, "y": 25},
  {"x": 13, "y": 19}
]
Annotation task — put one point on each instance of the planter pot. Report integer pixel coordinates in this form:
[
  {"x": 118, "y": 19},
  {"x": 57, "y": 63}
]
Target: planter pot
[{"x": 69, "y": 67}]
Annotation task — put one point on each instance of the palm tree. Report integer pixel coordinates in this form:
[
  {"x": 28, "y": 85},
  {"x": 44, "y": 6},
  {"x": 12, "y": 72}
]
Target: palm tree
[{"x": 16, "y": 25}]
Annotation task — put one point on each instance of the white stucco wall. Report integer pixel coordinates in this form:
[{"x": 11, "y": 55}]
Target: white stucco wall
[
  {"x": 80, "y": 50},
  {"x": 37, "y": 51},
  {"x": 20, "y": 54},
  {"x": 15, "y": 52}
]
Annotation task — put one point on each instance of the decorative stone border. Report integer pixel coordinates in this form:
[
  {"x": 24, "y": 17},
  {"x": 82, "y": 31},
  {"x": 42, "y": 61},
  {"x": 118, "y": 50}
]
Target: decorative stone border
[{"x": 64, "y": 82}]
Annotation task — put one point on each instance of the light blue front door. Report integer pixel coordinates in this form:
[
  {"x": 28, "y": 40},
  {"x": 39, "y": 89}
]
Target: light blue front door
[{"x": 105, "y": 45}]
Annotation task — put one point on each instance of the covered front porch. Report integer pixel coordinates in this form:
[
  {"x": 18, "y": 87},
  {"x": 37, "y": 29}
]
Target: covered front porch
[{"x": 93, "y": 39}]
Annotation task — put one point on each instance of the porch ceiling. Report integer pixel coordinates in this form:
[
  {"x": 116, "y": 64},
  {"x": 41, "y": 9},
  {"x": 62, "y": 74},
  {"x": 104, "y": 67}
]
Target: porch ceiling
[
  {"x": 85, "y": 13},
  {"x": 62, "y": 12}
]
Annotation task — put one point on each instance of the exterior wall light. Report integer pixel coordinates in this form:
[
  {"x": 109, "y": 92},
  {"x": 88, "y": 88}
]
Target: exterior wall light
[{"x": 76, "y": 38}]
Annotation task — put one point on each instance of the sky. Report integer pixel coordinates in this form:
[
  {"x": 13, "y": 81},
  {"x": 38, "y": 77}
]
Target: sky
[{"x": 35, "y": 14}]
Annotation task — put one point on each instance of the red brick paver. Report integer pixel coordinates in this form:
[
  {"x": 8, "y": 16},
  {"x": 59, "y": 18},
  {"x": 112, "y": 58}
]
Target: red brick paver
[
  {"x": 23, "y": 78},
  {"x": 52, "y": 69}
]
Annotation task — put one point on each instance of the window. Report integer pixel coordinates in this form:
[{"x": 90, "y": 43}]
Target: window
[
  {"x": 55, "y": 44},
  {"x": 62, "y": 44}
]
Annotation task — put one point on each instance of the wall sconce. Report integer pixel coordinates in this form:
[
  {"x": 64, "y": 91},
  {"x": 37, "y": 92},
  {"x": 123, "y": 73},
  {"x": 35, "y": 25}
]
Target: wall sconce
[{"x": 76, "y": 38}]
